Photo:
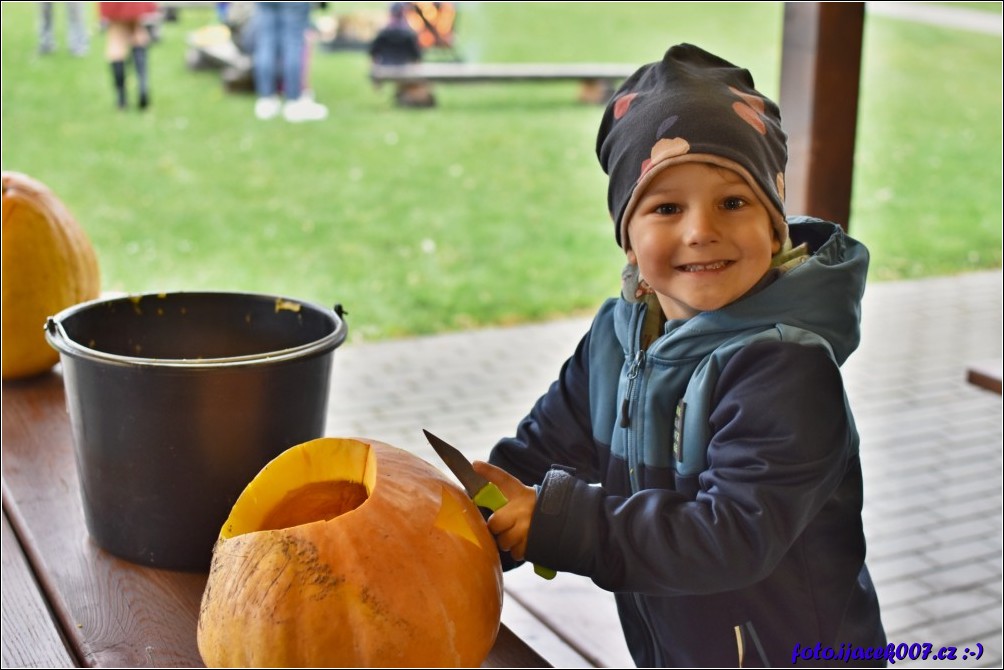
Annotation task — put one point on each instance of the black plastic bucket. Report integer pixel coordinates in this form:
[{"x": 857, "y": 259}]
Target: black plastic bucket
[{"x": 177, "y": 400}]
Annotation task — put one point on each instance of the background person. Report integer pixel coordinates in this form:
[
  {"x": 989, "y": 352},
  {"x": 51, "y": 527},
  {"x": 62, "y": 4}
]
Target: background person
[
  {"x": 125, "y": 32},
  {"x": 76, "y": 30},
  {"x": 397, "y": 44},
  {"x": 280, "y": 39}
]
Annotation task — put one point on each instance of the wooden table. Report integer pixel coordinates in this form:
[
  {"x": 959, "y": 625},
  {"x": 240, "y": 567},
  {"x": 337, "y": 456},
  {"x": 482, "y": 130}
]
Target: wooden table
[{"x": 66, "y": 602}]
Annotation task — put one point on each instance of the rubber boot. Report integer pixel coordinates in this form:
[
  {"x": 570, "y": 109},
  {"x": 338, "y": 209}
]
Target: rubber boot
[
  {"x": 119, "y": 77},
  {"x": 139, "y": 62}
]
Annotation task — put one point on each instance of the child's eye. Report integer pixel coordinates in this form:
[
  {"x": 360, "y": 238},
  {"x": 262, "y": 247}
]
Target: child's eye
[
  {"x": 667, "y": 209},
  {"x": 734, "y": 202}
]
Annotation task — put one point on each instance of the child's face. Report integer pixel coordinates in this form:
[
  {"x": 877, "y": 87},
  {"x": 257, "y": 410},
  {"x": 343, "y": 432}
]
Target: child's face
[{"x": 700, "y": 237}]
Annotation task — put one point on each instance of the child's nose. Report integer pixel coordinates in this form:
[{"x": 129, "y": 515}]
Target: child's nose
[{"x": 700, "y": 227}]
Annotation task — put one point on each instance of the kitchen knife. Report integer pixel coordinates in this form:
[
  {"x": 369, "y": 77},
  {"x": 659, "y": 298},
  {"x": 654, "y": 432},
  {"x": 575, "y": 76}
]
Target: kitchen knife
[{"x": 483, "y": 492}]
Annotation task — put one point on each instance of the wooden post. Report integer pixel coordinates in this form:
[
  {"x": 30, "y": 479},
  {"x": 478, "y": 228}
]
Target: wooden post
[{"x": 820, "y": 76}]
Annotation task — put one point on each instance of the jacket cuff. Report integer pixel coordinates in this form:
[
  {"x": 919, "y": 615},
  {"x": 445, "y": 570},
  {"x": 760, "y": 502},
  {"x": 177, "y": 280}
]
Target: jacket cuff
[{"x": 563, "y": 530}]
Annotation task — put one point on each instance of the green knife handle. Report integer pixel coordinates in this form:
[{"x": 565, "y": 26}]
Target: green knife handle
[
  {"x": 491, "y": 497},
  {"x": 546, "y": 573}
]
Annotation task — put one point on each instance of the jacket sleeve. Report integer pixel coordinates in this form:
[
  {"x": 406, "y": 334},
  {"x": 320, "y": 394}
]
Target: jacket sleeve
[
  {"x": 782, "y": 440},
  {"x": 557, "y": 430}
]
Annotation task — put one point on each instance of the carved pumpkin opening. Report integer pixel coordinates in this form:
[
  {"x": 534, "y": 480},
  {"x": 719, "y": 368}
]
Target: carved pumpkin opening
[
  {"x": 305, "y": 486},
  {"x": 317, "y": 501}
]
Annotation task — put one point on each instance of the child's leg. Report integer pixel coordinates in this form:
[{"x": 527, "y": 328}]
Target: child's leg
[
  {"x": 78, "y": 38},
  {"x": 46, "y": 41},
  {"x": 140, "y": 40},
  {"x": 117, "y": 38},
  {"x": 116, "y": 48},
  {"x": 119, "y": 79},
  {"x": 140, "y": 35},
  {"x": 139, "y": 62},
  {"x": 266, "y": 45},
  {"x": 295, "y": 16},
  {"x": 305, "y": 77}
]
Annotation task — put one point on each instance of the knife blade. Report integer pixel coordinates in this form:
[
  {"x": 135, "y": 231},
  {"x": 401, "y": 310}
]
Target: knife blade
[
  {"x": 483, "y": 492},
  {"x": 480, "y": 490}
]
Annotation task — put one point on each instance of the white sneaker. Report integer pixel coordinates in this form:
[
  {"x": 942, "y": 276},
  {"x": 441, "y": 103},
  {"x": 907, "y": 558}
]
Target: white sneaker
[
  {"x": 267, "y": 108},
  {"x": 304, "y": 109}
]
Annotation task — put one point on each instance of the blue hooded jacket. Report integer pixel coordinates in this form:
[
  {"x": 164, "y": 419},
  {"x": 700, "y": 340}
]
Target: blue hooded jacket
[{"x": 727, "y": 516}]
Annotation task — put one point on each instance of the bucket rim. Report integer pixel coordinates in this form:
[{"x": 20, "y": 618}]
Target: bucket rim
[{"x": 60, "y": 340}]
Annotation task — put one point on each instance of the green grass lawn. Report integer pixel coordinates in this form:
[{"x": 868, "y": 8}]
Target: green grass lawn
[{"x": 490, "y": 208}]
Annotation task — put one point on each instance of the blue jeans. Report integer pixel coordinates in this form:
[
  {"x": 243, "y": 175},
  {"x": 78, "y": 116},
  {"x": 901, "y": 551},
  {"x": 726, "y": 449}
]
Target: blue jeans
[{"x": 279, "y": 41}]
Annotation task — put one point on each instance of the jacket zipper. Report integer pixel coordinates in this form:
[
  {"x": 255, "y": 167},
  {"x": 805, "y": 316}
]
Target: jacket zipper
[
  {"x": 636, "y": 367},
  {"x": 631, "y": 433},
  {"x": 631, "y": 393}
]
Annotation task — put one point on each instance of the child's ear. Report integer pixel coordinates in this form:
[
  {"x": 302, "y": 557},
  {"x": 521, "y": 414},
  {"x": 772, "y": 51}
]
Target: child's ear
[{"x": 775, "y": 242}]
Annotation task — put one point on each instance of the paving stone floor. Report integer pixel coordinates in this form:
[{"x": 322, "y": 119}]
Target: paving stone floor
[{"x": 931, "y": 448}]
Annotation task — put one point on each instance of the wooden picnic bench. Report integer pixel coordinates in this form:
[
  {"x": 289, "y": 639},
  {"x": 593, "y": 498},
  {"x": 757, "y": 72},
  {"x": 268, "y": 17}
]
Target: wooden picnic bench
[
  {"x": 67, "y": 602},
  {"x": 598, "y": 80}
]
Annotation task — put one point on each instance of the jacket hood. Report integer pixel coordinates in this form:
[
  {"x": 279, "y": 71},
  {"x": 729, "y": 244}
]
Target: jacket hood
[{"x": 822, "y": 295}]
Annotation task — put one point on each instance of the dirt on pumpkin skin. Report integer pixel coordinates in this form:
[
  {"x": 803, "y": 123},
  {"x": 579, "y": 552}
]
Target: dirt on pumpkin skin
[{"x": 317, "y": 501}]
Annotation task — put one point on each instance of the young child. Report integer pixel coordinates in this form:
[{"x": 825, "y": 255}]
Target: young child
[
  {"x": 706, "y": 402},
  {"x": 126, "y": 31}
]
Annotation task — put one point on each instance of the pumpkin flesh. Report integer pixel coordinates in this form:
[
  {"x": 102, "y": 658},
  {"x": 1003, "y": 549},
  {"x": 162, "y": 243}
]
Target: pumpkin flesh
[
  {"x": 392, "y": 566},
  {"x": 317, "y": 501}
]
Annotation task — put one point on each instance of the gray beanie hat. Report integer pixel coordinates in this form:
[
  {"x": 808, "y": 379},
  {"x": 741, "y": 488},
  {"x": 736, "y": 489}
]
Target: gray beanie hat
[{"x": 691, "y": 106}]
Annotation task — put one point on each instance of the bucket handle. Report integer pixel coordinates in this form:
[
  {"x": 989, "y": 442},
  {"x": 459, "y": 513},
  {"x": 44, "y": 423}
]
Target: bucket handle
[{"x": 56, "y": 333}]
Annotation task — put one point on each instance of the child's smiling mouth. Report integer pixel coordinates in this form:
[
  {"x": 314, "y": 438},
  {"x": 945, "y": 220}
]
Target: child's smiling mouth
[{"x": 704, "y": 267}]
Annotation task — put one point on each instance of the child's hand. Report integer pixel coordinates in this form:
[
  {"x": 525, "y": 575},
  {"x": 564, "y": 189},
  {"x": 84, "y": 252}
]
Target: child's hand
[{"x": 510, "y": 524}]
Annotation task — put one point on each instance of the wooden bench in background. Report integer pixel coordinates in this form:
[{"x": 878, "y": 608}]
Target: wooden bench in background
[{"x": 598, "y": 80}]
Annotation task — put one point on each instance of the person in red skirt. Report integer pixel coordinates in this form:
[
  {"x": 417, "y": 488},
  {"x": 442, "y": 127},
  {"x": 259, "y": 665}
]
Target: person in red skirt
[{"x": 125, "y": 30}]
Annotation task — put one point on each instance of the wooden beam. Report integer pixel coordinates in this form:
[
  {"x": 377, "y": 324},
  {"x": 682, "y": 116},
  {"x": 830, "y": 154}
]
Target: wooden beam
[{"x": 820, "y": 76}]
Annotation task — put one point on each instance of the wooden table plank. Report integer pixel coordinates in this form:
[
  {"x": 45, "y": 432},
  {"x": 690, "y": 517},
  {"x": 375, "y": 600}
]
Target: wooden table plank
[
  {"x": 112, "y": 612},
  {"x": 31, "y": 638}
]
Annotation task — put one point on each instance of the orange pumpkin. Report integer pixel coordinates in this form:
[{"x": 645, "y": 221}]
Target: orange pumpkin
[
  {"x": 48, "y": 265},
  {"x": 349, "y": 552}
]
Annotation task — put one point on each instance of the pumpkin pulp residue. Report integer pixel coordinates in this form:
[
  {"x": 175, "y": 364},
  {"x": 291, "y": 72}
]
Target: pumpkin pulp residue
[{"x": 317, "y": 501}]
